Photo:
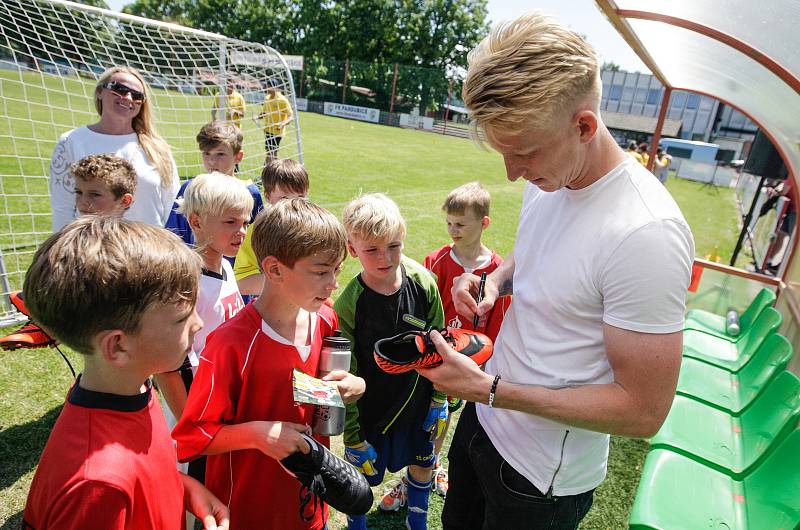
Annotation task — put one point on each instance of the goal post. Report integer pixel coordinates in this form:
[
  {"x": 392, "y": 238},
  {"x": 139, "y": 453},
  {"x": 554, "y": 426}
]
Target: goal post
[{"x": 51, "y": 54}]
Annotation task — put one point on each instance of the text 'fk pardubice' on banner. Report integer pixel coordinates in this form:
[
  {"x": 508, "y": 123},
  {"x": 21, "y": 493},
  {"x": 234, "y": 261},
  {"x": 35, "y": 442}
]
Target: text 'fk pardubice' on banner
[{"x": 353, "y": 112}]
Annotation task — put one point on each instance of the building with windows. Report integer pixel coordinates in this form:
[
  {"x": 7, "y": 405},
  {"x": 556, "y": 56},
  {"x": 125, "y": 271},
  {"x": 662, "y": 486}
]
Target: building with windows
[{"x": 702, "y": 118}]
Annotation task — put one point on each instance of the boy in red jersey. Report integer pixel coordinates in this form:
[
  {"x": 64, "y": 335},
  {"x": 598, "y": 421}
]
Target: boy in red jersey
[
  {"x": 109, "y": 462},
  {"x": 467, "y": 210},
  {"x": 241, "y": 411}
]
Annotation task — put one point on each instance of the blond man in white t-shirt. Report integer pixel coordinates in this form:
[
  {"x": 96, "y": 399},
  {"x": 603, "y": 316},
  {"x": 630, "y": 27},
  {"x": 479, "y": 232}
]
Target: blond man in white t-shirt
[{"x": 591, "y": 344}]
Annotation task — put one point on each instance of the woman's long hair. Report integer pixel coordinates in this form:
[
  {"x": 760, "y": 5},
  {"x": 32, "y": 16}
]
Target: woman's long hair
[{"x": 154, "y": 146}]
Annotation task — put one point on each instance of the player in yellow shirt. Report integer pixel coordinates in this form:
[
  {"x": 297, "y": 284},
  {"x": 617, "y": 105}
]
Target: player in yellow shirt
[
  {"x": 275, "y": 114},
  {"x": 235, "y": 107},
  {"x": 643, "y": 148},
  {"x": 633, "y": 152},
  {"x": 281, "y": 179}
]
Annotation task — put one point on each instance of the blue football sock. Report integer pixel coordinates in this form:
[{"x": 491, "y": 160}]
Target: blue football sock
[
  {"x": 418, "y": 493},
  {"x": 356, "y": 522}
]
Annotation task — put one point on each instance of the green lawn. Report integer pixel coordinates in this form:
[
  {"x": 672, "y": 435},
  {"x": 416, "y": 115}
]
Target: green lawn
[{"x": 344, "y": 158}]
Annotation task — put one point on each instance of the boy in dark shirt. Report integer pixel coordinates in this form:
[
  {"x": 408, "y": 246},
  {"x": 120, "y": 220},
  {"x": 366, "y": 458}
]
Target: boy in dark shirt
[{"x": 395, "y": 423}]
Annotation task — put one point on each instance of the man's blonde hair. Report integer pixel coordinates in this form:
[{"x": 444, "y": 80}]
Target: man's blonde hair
[
  {"x": 526, "y": 72},
  {"x": 471, "y": 196},
  {"x": 214, "y": 133},
  {"x": 213, "y": 193},
  {"x": 118, "y": 175},
  {"x": 103, "y": 273},
  {"x": 373, "y": 217},
  {"x": 295, "y": 228}
]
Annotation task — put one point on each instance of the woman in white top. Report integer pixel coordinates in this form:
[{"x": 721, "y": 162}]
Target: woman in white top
[{"x": 125, "y": 128}]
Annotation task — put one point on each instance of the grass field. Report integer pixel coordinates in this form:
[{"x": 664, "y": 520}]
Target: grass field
[{"x": 344, "y": 158}]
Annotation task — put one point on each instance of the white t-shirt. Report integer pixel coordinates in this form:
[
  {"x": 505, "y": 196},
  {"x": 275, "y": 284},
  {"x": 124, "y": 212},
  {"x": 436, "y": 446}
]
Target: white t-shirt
[
  {"x": 218, "y": 300},
  {"x": 152, "y": 202},
  {"x": 617, "y": 252}
]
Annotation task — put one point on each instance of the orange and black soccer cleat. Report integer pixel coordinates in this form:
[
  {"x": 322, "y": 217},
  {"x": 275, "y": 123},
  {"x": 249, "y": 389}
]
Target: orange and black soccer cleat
[
  {"x": 18, "y": 301},
  {"x": 413, "y": 349},
  {"x": 29, "y": 336}
]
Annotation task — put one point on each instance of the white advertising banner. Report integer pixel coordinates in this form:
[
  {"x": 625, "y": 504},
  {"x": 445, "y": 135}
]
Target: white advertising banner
[
  {"x": 416, "y": 122},
  {"x": 352, "y": 112},
  {"x": 295, "y": 62},
  {"x": 302, "y": 104}
]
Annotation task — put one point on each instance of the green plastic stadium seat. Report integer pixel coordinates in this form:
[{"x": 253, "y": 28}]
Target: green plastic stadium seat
[
  {"x": 678, "y": 493},
  {"x": 730, "y": 443},
  {"x": 714, "y": 324},
  {"x": 734, "y": 391},
  {"x": 731, "y": 356}
]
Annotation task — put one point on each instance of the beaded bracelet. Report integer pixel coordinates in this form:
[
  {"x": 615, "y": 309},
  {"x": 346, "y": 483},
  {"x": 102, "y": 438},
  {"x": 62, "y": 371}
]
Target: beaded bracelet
[{"x": 493, "y": 390}]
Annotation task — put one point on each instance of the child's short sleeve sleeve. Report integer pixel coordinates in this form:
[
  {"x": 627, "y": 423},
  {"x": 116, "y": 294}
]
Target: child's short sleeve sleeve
[
  {"x": 287, "y": 108},
  {"x": 210, "y": 405},
  {"x": 345, "y": 310},
  {"x": 436, "y": 311},
  {"x": 90, "y": 505},
  {"x": 246, "y": 263}
]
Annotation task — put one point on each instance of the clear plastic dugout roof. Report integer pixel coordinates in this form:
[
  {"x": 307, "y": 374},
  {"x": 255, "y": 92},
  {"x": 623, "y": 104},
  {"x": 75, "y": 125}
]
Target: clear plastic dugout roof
[{"x": 742, "y": 52}]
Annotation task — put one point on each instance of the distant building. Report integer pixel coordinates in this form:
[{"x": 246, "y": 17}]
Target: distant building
[{"x": 702, "y": 118}]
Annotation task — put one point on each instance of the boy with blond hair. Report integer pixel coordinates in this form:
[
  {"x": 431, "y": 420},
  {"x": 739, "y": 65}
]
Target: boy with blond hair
[
  {"x": 241, "y": 411},
  {"x": 280, "y": 179},
  {"x": 217, "y": 207},
  {"x": 109, "y": 461},
  {"x": 395, "y": 423},
  {"x": 220, "y": 143},
  {"x": 467, "y": 210},
  {"x": 104, "y": 185}
]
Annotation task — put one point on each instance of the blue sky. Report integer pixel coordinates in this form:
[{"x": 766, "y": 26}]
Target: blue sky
[{"x": 581, "y": 15}]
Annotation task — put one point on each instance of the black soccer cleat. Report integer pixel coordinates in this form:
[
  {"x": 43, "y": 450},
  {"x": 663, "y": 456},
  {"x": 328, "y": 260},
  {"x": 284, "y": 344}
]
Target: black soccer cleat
[{"x": 330, "y": 479}]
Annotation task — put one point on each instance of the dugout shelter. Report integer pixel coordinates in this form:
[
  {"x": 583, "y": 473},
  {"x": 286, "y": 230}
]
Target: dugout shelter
[
  {"x": 744, "y": 54},
  {"x": 726, "y": 456}
]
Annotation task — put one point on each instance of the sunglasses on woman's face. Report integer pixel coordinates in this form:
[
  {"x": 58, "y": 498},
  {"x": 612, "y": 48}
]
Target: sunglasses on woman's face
[{"x": 123, "y": 90}]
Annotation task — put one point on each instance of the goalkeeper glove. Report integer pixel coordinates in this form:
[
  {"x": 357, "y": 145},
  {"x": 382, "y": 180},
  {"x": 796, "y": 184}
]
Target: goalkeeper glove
[
  {"x": 436, "y": 420},
  {"x": 362, "y": 456}
]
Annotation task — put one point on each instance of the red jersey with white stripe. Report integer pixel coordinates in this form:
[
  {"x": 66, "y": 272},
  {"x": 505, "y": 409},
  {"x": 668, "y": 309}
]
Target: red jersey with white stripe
[
  {"x": 245, "y": 374},
  {"x": 109, "y": 463},
  {"x": 446, "y": 267}
]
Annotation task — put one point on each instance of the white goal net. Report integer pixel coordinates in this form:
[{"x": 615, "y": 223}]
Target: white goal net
[{"x": 51, "y": 55}]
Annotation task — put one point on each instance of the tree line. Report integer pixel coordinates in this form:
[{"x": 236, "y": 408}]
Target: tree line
[{"x": 425, "y": 37}]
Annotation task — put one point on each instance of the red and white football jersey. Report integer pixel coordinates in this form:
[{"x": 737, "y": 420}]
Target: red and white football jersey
[
  {"x": 245, "y": 375},
  {"x": 109, "y": 463},
  {"x": 443, "y": 263},
  {"x": 218, "y": 299}
]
